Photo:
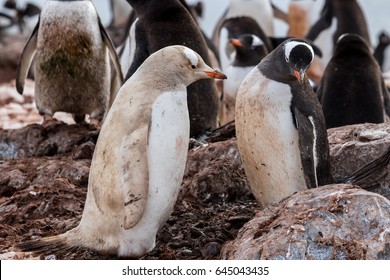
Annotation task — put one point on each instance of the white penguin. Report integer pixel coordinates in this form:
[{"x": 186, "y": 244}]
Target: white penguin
[{"x": 139, "y": 161}]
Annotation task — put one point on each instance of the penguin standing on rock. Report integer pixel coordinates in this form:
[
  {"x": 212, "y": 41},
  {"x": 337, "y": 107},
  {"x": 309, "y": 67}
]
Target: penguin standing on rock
[
  {"x": 139, "y": 160},
  {"x": 353, "y": 96},
  {"x": 163, "y": 23},
  {"x": 72, "y": 68},
  {"x": 280, "y": 127}
]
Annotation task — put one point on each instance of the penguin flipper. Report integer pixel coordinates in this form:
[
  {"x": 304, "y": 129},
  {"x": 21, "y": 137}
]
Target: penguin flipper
[
  {"x": 307, "y": 146},
  {"x": 115, "y": 59},
  {"x": 324, "y": 22},
  {"x": 279, "y": 14},
  {"x": 141, "y": 49},
  {"x": 26, "y": 59},
  {"x": 135, "y": 166}
]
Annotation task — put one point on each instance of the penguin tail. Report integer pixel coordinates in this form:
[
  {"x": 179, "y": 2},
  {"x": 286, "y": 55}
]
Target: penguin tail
[
  {"x": 58, "y": 245},
  {"x": 369, "y": 176}
]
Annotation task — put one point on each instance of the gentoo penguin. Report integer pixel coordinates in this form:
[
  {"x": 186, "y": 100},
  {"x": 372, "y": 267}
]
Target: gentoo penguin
[
  {"x": 234, "y": 27},
  {"x": 352, "y": 88},
  {"x": 382, "y": 51},
  {"x": 342, "y": 17},
  {"x": 250, "y": 49},
  {"x": 260, "y": 10},
  {"x": 302, "y": 14},
  {"x": 167, "y": 22},
  {"x": 72, "y": 71},
  {"x": 139, "y": 160},
  {"x": 280, "y": 127}
]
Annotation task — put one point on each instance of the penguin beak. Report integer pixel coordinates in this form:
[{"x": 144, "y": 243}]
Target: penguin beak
[
  {"x": 299, "y": 74},
  {"x": 236, "y": 42},
  {"x": 215, "y": 74}
]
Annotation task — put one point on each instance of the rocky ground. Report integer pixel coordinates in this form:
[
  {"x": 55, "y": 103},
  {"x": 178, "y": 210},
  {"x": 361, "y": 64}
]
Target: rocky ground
[{"x": 44, "y": 177}]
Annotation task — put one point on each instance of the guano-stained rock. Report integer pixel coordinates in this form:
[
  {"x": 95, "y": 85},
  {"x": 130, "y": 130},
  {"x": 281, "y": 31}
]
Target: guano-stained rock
[{"x": 331, "y": 222}]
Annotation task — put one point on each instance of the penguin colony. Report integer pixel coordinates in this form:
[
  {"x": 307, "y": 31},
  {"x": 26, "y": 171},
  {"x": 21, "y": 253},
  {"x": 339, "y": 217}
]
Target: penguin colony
[{"x": 169, "y": 95}]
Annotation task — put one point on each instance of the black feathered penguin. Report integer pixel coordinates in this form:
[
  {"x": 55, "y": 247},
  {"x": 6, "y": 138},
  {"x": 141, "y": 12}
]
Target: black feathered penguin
[
  {"x": 163, "y": 23},
  {"x": 352, "y": 89}
]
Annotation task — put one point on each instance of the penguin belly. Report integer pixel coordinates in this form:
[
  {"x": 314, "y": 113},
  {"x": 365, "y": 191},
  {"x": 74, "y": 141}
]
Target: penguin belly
[
  {"x": 72, "y": 63},
  {"x": 264, "y": 121},
  {"x": 230, "y": 88},
  {"x": 167, "y": 155}
]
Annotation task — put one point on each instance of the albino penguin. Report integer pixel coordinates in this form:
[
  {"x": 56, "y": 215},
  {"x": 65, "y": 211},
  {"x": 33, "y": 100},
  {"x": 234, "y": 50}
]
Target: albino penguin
[
  {"x": 72, "y": 67},
  {"x": 139, "y": 161}
]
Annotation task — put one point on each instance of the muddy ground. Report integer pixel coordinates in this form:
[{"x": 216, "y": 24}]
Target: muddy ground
[{"x": 44, "y": 178}]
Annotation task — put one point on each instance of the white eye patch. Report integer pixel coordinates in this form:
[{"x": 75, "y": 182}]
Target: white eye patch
[
  {"x": 291, "y": 45},
  {"x": 190, "y": 54},
  {"x": 256, "y": 41}
]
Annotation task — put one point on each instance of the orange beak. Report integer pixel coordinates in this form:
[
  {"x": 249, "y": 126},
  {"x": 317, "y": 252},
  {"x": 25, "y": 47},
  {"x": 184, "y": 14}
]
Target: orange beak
[
  {"x": 216, "y": 74},
  {"x": 299, "y": 74},
  {"x": 236, "y": 42}
]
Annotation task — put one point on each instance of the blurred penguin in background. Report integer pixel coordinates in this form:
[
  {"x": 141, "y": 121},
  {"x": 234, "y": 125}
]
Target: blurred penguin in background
[
  {"x": 163, "y": 23},
  {"x": 352, "y": 89},
  {"x": 339, "y": 17},
  {"x": 72, "y": 70}
]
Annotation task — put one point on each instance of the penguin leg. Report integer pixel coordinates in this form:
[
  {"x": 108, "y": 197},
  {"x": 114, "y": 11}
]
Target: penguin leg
[
  {"x": 78, "y": 118},
  {"x": 95, "y": 122},
  {"x": 49, "y": 120}
]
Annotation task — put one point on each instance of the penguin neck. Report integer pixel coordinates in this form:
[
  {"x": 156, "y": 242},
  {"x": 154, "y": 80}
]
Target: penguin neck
[
  {"x": 159, "y": 80},
  {"x": 248, "y": 57}
]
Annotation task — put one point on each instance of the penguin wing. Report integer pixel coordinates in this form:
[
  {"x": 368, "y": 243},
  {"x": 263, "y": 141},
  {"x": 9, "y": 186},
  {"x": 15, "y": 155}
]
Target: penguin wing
[
  {"x": 306, "y": 133},
  {"x": 115, "y": 59},
  {"x": 141, "y": 48},
  {"x": 135, "y": 169},
  {"x": 26, "y": 59},
  {"x": 323, "y": 22},
  {"x": 279, "y": 14}
]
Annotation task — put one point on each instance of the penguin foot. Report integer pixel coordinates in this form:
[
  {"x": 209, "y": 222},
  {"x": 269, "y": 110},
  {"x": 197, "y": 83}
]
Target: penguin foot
[
  {"x": 49, "y": 121},
  {"x": 95, "y": 122},
  {"x": 195, "y": 143}
]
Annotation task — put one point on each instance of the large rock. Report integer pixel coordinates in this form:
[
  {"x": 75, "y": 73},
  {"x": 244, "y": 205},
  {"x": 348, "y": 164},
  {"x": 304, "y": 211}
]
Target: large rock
[
  {"x": 58, "y": 138},
  {"x": 330, "y": 222},
  {"x": 353, "y": 146}
]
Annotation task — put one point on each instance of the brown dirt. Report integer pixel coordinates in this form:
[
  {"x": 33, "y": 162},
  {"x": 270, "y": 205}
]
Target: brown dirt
[{"x": 43, "y": 184}]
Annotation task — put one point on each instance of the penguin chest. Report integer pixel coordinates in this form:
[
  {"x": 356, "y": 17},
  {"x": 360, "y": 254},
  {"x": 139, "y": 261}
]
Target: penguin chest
[
  {"x": 230, "y": 88},
  {"x": 167, "y": 149},
  {"x": 268, "y": 139},
  {"x": 71, "y": 60}
]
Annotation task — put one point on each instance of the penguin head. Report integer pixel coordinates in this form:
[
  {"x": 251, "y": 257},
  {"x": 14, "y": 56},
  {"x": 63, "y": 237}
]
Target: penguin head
[
  {"x": 299, "y": 55},
  {"x": 198, "y": 69},
  {"x": 351, "y": 41},
  {"x": 182, "y": 63},
  {"x": 247, "y": 42},
  {"x": 250, "y": 49}
]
